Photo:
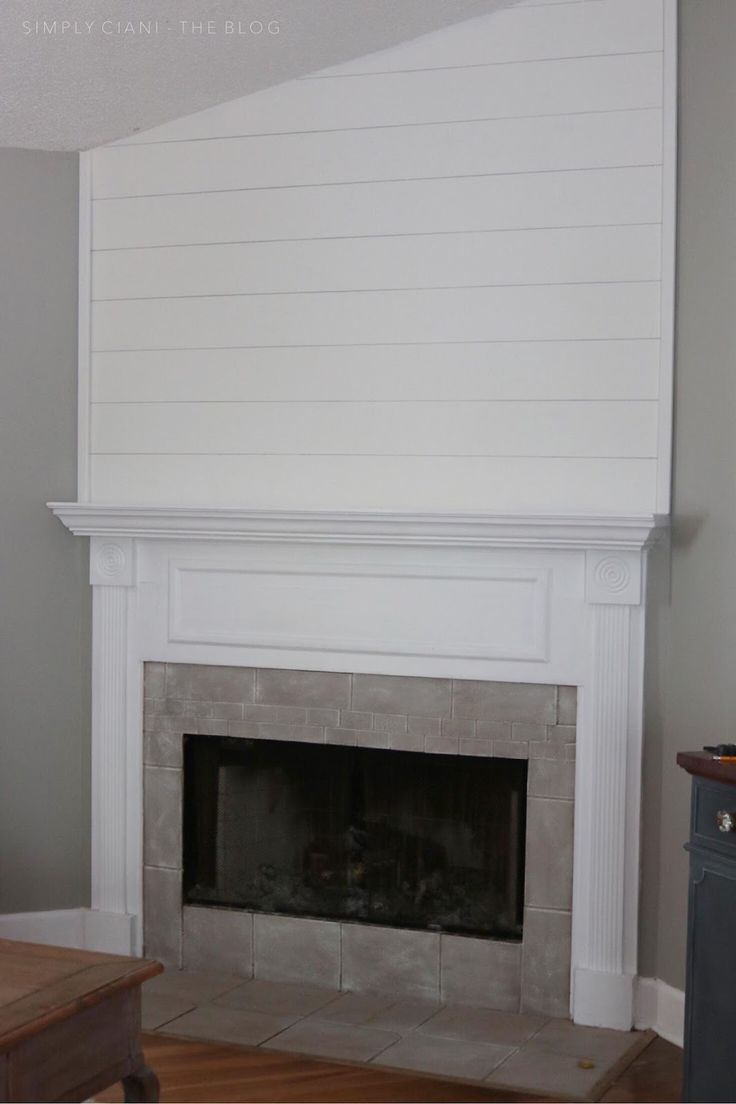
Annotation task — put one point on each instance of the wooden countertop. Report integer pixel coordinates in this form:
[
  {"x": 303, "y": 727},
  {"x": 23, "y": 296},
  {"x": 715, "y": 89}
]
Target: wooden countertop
[{"x": 703, "y": 764}]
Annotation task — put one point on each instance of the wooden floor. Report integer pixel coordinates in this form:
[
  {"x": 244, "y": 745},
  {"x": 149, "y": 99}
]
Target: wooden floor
[{"x": 193, "y": 1073}]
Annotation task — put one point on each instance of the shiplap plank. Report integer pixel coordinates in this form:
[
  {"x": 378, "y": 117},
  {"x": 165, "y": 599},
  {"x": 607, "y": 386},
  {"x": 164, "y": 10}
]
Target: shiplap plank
[
  {"x": 435, "y": 260},
  {"x": 521, "y": 370},
  {"x": 538, "y": 144},
  {"x": 604, "y": 196},
  {"x": 525, "y": 33},
  {"x": 508, "y": 485},
  {"x": 550, "y": 312},
  {"x": 616, "y": 82},
  {"x": 623, "y": 429}
]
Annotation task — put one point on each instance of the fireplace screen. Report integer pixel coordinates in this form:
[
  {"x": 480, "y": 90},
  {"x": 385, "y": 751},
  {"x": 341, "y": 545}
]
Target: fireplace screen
[{"x": 432, "y": 842}]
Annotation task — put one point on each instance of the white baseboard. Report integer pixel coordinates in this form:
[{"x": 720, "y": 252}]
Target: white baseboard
[
  {"x": 81, "y": 928},
  {"x": 662, "y": 1008}
]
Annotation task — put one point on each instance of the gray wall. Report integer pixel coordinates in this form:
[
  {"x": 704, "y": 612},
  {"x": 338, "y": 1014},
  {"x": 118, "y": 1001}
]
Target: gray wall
[
  {"x": 44, "y": 596},
  {"x": 691, "y": 688}
]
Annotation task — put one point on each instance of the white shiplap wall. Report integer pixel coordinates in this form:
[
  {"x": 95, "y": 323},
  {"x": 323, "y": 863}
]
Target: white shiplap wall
[{"x": 431, "y": 278}]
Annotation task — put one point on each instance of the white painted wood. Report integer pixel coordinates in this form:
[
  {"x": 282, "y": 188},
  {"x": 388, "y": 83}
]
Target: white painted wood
[
  {"x": 575, "y": 198},
  {"x": 494, "y": 614},
  {"x": 501, "y": 485},
  {"x": 55, "y": 927},
  {"x": 525, "y": 33},
  {"x": 84, "y": 322},
  {"x": 535, "y": 371},
  {"x": 538, "y": 144},
  {"x": 552, "y": 87},
  {"x": 585, "y": 429},
  {"x": 542, "y": 313},
  {"x": 661, "y": 1007},
  {"x": 575, "y": 255}
]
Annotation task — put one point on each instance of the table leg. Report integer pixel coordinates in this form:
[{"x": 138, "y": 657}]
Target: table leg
[{"x": 141, "y": 1086}]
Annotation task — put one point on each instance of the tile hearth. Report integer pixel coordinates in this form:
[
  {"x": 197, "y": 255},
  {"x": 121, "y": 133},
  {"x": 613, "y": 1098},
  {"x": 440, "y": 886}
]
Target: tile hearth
[{"x": 521, "y": 1052}]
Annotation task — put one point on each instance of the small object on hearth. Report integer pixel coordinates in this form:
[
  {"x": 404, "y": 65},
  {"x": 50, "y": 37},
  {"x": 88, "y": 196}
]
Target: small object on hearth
[{"x": 722, "y": 751}]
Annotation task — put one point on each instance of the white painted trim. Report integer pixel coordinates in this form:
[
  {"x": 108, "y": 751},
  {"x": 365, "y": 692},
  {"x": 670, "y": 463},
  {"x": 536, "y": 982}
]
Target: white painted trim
[
  {"x": 84, "y": 320},
  {"x": 632, "y": 532},
  {"x": 80, "y": 928},
  {"x": 661, "y": 1007},
  {"x": 669, "y": 259}
]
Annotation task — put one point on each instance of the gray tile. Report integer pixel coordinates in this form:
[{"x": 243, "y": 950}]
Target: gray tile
[
  {"x": 333, "y": 1040},
  {"x": 476, "y": 747},
  {"x": 407, "y": 741},
  {"x": 350, "y": 718},
  {"x": 378, "y": 1010},
  {"x": 163, "y": 724},
  {"x": 218, "y": 939},
  {"x": 424, "y": 726},
  {"x": 187, "y": 710},
  {"x": 198, "y": 682},
  {"x": 563, "y": 734},
  {"x": 597, "y": 1043},
  {"x": 227, "y": 1025},
  {"x": 552, "y": 778},
  {"x": 493, "y": 730},
  {"x": 210, "y": 726},
  {"x": 485, "y": 972},
  {"x": 510, "y": 749},
  {"x": 527, "y": 732},
  {"x": 463, "y": 728},
  {"x": 162, "y": 817},
  {"x": 567, "y": 705},
  {"x": 329, "y": 717},
  {"x": 162, "y": 915},
  {"x": 545, "y": 964},
  {"x": 393, "y": 724},
  {"x": 275, "y": 714},
  {"x": 244, "y": 730},
  {"x": 196, "y": 987},
  {"x": 505, "y": 701},
  {"x": 295, "y": 949},
  {"x": 154, "y": 707},
  {"x": 549, "y": 749},
  {"x": 154, "y": 680},
  {"x": 444, "y": 1057},
  {"x": 402, "y": 694},
  {"x": 224, "y": 711},
  {"x": 482, "y": 1025},
  {"x": 549, "y": 834},
  {"x": 390, "y": 960},
  {"x": 538, "y": 1069},
  {"x": 302, "y": 734},
  {"x": 442, "y": 745},
  {"x": 278, "y": 998},
  {"x": 346, "y": 737},
  {"x": 373, "y": 739},
  {"x": 163, "y": 749},
  {"x": 157, "y": 1010},
  {"x": 305, "y": 688}
]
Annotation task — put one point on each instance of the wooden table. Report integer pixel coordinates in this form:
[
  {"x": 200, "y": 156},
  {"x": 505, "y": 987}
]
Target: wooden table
[{"x": 70, "y": 1024}]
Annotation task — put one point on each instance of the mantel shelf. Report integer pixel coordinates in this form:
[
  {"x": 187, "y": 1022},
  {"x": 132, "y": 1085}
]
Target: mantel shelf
[{"x": 630, "y": 532}]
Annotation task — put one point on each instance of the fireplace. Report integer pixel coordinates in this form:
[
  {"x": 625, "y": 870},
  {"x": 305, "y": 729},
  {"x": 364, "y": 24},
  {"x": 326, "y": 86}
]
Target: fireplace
[{"x": 430, "y": 842}]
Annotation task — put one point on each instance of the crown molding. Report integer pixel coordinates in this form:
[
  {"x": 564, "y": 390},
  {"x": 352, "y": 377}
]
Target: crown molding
[{"x": 630, "y": 532}]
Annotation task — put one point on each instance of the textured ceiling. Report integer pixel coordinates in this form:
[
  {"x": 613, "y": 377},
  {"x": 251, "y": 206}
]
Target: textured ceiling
[{"x": 80, "y": 86}]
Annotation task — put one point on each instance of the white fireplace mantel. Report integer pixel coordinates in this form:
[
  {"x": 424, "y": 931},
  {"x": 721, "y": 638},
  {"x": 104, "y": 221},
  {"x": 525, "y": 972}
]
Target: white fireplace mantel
[{"x": 504, "y": 598}]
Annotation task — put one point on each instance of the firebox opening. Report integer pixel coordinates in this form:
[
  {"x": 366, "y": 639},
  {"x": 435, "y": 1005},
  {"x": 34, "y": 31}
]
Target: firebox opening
[{"x": 422, "y": 841}]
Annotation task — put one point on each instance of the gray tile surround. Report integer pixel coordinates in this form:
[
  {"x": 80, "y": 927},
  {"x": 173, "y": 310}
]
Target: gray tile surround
[{"x": 535, "y": 722}]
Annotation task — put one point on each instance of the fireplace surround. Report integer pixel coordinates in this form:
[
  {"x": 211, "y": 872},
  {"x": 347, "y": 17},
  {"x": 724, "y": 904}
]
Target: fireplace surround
[{"x": 508, "y": 599}]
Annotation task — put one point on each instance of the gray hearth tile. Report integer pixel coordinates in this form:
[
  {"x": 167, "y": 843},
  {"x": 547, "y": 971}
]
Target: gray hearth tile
[
  {"x": 159, "y": 1010},
  {"x": 294, "y": 949},
  {"x": 154, "y": 680},
  {"x": 378, "y": 1010},
  {"x": 424, "y": 726},
  {"x": 227, "y": 1025},
  {"x": 402, "y": 694},
  {"x": 275, "y": 714},
  {"x": 218, "y": 939},
  {"x": 195, "y": 682},
  {"x": 505, "y": 701},
  {"x": 278, "y": 998},
  {"x": 407, "y": 741},
  {"x": 539, "y": 1069},
  {"x": 486, "y": 972},
  {"x": 185, "y": 985},
  {"x": 162, "y": 915},
  {"x": 567, "y": 705},
  {"x": 162, "y": 817},
  {"x": 333, "y": 1040},
  {"x": 328, "y": 689},
  {"x": 393, "y": 724},
  {"x": 390, "y": 960},
  {"x": 444, "y": 1057},
  {"x": 351, "y": 718},
  {"x": 597, "y": 1043},
  {"x": 552, "y": 778},
  {"x": 162, "y": 749},
  {"x": 549, "y": 833},
  {"x": 478, "y": 1025},
  {"x": 545, "y": 965}
]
